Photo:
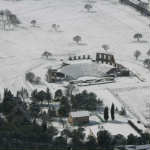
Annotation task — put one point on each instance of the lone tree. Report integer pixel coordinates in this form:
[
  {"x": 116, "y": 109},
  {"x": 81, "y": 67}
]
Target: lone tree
[
  {"x": 46, "y": 54},
  {"x": 77, "y": 39},
  {"x": 148, "y": 53},
  {"x": 112, "y": 111},
  {"x": 146, "y": 62},
  {"x": 105, "y": 47},
  {"x": 138, "y": 36},
  {"x": 33, "y": 23},
  {"x": 30, "y": 76},
  {"x": 137, "y": 53},
  {"x": 106, "y": 114},
  {"x": 88, "y": 7},
  {"x": 55, "y": 27}
]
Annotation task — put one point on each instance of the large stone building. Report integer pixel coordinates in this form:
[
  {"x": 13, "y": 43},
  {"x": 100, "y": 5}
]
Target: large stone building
[{"x": 105, "y": 58}]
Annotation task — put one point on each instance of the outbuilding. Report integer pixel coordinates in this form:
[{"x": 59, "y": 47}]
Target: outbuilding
[{"x": 79, "y": 117}]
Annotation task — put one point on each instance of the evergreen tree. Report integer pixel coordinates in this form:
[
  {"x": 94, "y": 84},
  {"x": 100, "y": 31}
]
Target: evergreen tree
[
  {"x": 64, "y": 107},
  {"x": 48, "y": 96},
  {"x": 106, "y": 113},
  {"x": 112, "y": 111}
]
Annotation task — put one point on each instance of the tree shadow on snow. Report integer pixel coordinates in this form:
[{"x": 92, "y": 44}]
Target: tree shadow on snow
[
  {"x": 142, "y": 41},
  {"x": 117, "y": 122}
]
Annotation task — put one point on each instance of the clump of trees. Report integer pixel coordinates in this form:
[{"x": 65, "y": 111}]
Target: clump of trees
[
  {"x": 55, "y": 27},
  {"x": 84, "y": 101},
  {"x": 30, "y": 76},
  {"x": 8, "y": 20},
  {"x": 77, "y": 39},
  {"x": 138, "y": 36},
  {"x": 20, "y": 129},
  {"x": 41, "y": 96}
]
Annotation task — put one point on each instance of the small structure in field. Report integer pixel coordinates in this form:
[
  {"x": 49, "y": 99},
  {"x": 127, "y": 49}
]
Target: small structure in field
[
  {"x": 53, "y": 75},
  {"x": 78, "y": 117}
]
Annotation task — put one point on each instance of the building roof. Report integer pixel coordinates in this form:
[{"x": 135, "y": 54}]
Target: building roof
[{"x": 79, "y": 114}]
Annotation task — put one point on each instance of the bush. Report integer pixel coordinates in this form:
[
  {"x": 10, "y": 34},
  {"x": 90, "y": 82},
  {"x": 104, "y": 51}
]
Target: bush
[
  {"x": 30, "y": 77},
  {"x": 123, "y": 112}
]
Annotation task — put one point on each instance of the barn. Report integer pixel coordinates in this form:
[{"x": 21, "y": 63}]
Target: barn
[{"x": 78, "y": 118}]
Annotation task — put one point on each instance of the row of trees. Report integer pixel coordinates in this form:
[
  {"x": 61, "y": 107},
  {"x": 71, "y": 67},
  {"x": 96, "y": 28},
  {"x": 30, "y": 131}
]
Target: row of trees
[{"x": 112, "y": 112}]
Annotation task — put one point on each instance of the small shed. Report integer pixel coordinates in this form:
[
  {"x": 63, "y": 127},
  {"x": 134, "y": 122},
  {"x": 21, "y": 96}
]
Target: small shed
[{"x": 79, "y": 117}]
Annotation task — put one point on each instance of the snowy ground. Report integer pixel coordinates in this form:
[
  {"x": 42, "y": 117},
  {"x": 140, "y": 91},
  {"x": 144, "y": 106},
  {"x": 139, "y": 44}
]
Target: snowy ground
[{"x": 108, "y": 23}]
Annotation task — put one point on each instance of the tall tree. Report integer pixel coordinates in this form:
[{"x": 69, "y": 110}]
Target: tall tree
[
  {"x": 64, "y": 107},
  {"x": 48, "y": 96},
  {"x": 112, "y": 111},
  {"x": 106, "y": 113}
]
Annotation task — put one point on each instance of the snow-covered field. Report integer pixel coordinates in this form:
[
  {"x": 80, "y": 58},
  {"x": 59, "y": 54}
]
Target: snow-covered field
[{"x": 109, "y": 23}]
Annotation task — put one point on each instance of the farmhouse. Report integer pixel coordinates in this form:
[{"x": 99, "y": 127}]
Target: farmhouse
[{"x": 78, "y": 117}]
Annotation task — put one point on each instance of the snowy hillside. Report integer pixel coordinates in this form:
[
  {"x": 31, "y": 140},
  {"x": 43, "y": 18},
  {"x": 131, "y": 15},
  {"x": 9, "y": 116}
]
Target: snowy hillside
[{"x": 109, "y": 22}]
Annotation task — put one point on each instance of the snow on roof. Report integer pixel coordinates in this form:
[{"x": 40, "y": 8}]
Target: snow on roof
[
  {"x": 78, "y": 114},
  {"x": 86, "y": 69}
]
